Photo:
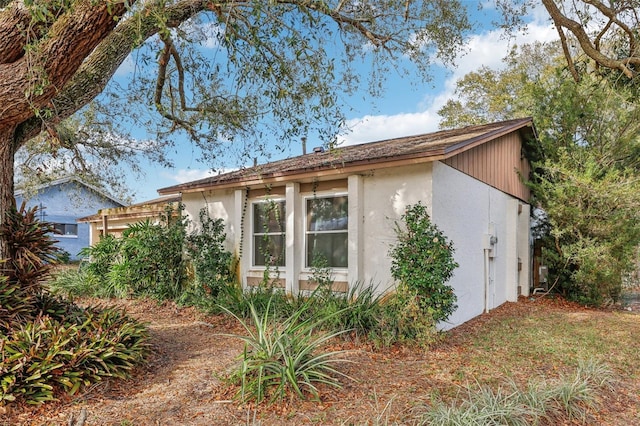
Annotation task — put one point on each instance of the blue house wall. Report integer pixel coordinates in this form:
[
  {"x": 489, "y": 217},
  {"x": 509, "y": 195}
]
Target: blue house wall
[{"x": 62, "y": 204}]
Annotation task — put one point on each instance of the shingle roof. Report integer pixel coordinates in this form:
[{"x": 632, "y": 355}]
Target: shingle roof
[{"x": 437, "y": 145}]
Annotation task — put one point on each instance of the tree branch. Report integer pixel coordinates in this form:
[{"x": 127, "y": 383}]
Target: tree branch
[{"x": 560, "y": 20}]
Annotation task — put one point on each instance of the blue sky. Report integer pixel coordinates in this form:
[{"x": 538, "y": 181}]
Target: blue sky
[{"x": 403, "y": 110}]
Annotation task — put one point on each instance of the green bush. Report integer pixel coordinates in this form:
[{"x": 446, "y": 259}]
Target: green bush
[
  {"x": 402, "y": 320},
  {"x": 146, "y": 261},
  {"x": 359, "y": 310},
  {"x": 422, "y": 261},
  {"x": 214, "y": 266},
  {"x": 100, "y": 257},
  {"x": 284, "y": 358},
  {"x": 47, "y": 344}
]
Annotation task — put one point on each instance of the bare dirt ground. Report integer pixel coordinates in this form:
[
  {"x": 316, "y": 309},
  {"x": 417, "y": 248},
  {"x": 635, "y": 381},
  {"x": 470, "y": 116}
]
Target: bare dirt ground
[{"x": 181, "y": 385}]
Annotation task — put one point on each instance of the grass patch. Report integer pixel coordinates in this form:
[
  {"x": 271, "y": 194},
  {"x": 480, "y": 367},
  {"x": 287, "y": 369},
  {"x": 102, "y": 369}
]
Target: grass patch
[{"x": 569, "y": 397}]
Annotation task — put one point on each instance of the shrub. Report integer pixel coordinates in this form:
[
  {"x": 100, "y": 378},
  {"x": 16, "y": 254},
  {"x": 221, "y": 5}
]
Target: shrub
[
  {"x": 147, "y": 260},
  {"x": 213, "y": 264},
  {"x": 32, "y": 255},
  {"x": 359, "y": 310},
  {"x": 48, "y": 344},
  {"x": 76, "y": 282},
  {"x": 422, "y": 260},
  {"x": 101, "y": 256},
  {"x": 282, "y": 359},
  {"x": 402, "y": 320}
]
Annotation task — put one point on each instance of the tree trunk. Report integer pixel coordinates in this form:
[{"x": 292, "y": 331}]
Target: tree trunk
[{"x": 7, "y": 200}]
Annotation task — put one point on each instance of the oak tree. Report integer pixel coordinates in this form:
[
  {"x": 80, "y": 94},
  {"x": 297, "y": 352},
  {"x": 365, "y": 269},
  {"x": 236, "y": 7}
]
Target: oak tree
[{"x": 283, "y": 61}]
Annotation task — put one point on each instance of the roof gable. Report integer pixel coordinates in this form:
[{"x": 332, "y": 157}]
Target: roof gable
[
  {"x": 69, "y": 180},
  {"x": 419, "y": 148}
]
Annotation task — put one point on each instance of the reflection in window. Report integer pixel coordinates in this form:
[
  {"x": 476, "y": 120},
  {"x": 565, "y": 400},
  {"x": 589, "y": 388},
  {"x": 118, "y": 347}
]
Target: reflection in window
[
  {"x": 67, "y": 229},
  {"x": 268, "y": 233},
  {"x": 327, "y": 230}
]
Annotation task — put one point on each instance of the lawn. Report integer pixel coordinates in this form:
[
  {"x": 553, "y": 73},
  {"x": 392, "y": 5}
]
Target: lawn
[{"x": 533, "y": 341}]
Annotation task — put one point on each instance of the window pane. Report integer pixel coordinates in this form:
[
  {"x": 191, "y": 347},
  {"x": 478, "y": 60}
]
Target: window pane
[
  {"x": 268, "y": 250},
  {"x": 327, "y": 214},
  {"x": 59, "y": 227},
  {"x": 332, "y": 246},
  {"x": 268, "y": 217},
  {"x": 71, "y": 229}
]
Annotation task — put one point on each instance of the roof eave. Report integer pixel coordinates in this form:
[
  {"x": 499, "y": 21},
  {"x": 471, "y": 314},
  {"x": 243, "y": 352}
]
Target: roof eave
[{"x": 311, "y": 173}]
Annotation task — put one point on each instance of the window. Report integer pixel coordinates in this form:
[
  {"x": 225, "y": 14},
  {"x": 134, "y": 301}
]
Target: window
[
  {"x": 268, "y": 233},
  {"x": 327, "y": 230},
  {"x": 66, "y": 229}
]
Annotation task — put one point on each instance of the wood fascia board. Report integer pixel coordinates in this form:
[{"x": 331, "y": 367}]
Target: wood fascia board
[{"x": 323, "y": 174}]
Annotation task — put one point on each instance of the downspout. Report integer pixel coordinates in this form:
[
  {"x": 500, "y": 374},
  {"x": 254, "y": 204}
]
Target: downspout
[
  {"x": 486, "y": 280},
  {"x": 489, "y": 242}
]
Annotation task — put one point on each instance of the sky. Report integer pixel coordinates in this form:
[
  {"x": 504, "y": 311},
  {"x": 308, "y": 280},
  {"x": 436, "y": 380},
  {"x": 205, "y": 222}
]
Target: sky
[{"x": 403, "y": 110}]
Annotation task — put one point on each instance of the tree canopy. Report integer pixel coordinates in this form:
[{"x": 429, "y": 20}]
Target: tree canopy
[
  {"x": 587, "y": 163},
  {"x": 233, "y": 74}
]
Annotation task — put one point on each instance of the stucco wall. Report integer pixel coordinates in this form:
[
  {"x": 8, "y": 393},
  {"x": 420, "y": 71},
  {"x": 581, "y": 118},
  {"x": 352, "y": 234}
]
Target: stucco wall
[
  {"x": 219, "y": 204},
  {"x": 465, "y": 209},
  {"x": 468, "y": 211},
  {"x": 386, "y": 196}
]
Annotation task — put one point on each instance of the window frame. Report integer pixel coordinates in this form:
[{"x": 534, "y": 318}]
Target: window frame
[
  {"x": 64, "y": 225},
  {"x": 307, "y": 232},
  {"x": 255, "y": 234}
]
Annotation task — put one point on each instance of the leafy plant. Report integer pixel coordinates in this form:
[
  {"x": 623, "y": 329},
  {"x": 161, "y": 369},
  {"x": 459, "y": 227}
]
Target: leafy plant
[
  {"x": 32, "y": 254},
  {"x": 282, "y": 359},
  {"x": 100, "y": 257},
  {"x": 147, "y": 260},
  {"x": 422, "y": 260},
  {"x": 78, "y": 348},
  {"x": 402, "y": 320},
  {"x": 213, "y": 264},
  {"x": 360, "y": 310}
]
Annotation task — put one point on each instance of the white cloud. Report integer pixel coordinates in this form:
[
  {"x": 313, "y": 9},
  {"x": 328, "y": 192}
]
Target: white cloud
[
  {"x": 486, "y": 49},
  {"x": 189, "y": 175},
  {"x": 184, "y": 175}
]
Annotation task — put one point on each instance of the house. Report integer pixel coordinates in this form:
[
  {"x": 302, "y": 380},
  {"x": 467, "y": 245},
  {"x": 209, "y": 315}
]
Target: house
[
  {"x": 62, "y": 202},
  {"x": 114, "y": 220},
  {"x": 344, "y": 203}
]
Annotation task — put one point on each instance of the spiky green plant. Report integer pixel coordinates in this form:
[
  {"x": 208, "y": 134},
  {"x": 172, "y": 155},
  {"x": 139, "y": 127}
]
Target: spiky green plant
[
  {"x": 32, "y": 254},
  {"x": 284, "y": 359}
]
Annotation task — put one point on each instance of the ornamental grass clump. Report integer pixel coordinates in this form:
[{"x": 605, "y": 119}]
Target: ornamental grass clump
[
  {"x": 570, "y": 397},
  {"x": 284, "y": 359}
]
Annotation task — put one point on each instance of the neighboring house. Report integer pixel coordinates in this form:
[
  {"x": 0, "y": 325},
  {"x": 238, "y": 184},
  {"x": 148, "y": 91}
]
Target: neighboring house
[
  {"x": 112, "y": 221},
  {"x": 62, "y": 202},
  {"x": 344, "y": 203}
]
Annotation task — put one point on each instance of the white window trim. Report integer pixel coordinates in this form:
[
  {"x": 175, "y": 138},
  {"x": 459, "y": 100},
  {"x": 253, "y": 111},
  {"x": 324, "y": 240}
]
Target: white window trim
[
  {"x": 70, "y": 236},
  {"x": 252, "y": 235},
  {"x": 308, "y": 269}
]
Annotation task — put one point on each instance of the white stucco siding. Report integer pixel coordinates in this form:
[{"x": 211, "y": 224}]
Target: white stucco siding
[
  {"x": 386, "y": 193},
  {"x": 467, "y": 211},
  {"x": 219, "y": 204}
]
